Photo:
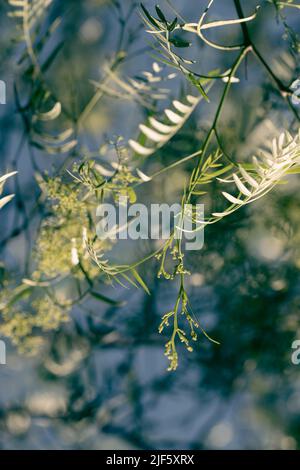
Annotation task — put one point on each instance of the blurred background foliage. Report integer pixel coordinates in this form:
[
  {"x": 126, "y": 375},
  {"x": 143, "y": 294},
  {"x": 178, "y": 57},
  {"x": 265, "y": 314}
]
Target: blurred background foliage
[{"x": 99, "y": 379}]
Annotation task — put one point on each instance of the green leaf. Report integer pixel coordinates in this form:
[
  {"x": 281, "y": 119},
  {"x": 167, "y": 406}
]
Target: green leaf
[
  {"x": 140, "y": 281},
  {"x": 160, "y": 14},
  {"x": 197, "y": 84},
  {"x": 178, "y": 42},
  {"x": 199, "y": 193},
  {"x": 214, "y": 174},
  {"x": 150, "y": 18},
  {"x": 294, "y": 171},
  {"x": 172, "y": 25},
  {"x": 105, "y": 299}
]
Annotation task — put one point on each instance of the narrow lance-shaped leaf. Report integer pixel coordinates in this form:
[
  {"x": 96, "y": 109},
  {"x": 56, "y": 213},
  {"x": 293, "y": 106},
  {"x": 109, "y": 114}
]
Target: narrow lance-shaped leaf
[{"x": 159, "y": 133}]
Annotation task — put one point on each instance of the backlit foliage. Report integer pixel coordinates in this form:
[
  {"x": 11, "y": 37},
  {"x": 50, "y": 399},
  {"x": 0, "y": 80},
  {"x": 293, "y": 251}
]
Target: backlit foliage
[{"x": 70, "y": 265}]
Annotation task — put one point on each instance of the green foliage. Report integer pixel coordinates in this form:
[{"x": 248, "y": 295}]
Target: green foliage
[{"x": 68, "y": 256}]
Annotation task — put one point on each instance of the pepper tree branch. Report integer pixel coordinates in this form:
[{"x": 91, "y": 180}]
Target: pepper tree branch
[{"x": 284, "y": 90}]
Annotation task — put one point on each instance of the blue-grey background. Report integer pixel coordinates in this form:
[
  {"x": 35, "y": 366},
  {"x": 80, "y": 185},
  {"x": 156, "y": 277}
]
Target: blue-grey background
[{"x": 102, "y": 383}]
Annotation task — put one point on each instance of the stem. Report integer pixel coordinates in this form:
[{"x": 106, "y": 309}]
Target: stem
[
  {"x": 213, "y": 128},
  {"x": 283, "y": 89},
  {"x": 243, "y": 25}
]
